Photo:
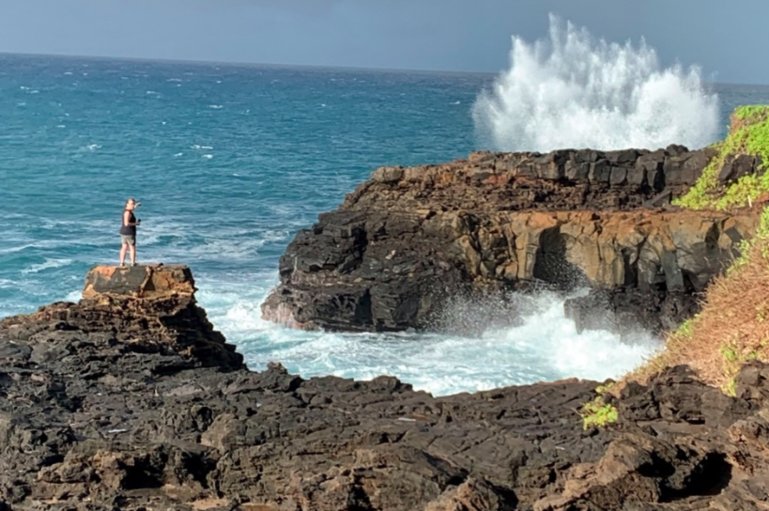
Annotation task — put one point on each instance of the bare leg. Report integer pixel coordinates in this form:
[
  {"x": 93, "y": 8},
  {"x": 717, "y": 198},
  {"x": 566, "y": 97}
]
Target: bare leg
[
  {"x": 132, "y": 251},
  {"x": 123, "y": 248}
]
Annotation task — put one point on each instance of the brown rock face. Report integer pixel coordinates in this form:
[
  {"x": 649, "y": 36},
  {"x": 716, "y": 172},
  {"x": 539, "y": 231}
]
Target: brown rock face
[
  {"x": 149, "y": 282},
  {"x": 150, "y": 308},
  {"x": 128, "y": 403},
  {"x": 410, "y": 238}
]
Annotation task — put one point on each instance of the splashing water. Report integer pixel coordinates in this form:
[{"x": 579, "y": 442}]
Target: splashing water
[
  {"x": 577, "y": 91},
  {"x": 488, "y": 345}
]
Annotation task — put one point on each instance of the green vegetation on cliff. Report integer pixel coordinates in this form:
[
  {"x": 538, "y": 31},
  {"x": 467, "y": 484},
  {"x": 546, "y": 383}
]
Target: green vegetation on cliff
[
  {"x": 600, "y": 412},
  {"x": 749, "y": 134},
  {"x": 733, "y": 326}
]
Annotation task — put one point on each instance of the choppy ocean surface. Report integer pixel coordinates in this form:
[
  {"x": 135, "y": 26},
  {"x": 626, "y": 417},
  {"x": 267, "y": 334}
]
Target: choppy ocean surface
[{"x": 229, "y": 162}]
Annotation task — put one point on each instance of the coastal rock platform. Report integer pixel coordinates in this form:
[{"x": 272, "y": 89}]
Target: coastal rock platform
[
  {"x": 409, "y": 239},
  {"x": 130, "y": 400}
]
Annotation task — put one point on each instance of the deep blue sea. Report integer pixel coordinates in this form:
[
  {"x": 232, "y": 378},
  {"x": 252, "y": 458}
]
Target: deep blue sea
[{"x": 229, "y": 162}]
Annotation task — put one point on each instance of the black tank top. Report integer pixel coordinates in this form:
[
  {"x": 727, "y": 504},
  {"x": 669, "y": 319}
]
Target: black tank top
[{"x": 128, "y": 230}]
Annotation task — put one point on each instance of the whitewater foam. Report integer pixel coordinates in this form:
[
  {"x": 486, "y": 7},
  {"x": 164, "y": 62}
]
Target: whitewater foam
[
  {"x": 541, "y": 345},
  {"x": 573, "y": 90},
  {"x": 74, "y": 296}
]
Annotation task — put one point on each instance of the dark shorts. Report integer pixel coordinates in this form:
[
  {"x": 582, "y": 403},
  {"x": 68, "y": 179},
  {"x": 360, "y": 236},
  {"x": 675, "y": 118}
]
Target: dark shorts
[{"x": 128, "y": 239}]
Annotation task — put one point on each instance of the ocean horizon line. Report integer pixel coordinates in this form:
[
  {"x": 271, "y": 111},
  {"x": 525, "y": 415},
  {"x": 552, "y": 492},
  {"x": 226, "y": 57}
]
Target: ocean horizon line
[{"x": 271, "y": 65}]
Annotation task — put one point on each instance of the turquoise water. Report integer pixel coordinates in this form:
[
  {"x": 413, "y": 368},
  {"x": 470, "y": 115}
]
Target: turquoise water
[{"x": 229, "y": 162}]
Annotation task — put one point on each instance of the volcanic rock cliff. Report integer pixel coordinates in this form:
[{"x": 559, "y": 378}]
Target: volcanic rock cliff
[
  {"x": 408, "y": 239},
  {"x": 130, "y": 400}
]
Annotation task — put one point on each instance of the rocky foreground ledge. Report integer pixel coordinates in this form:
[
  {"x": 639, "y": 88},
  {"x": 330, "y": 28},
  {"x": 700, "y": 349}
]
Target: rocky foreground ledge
[
  {"x": 409, "y": 239},
  {"x": 130, "y": 400}
]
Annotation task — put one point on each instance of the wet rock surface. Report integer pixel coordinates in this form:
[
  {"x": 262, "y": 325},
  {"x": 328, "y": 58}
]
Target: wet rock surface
[
  {"x": 409, "y": 239},
  {"x": 130, "y": 400}
]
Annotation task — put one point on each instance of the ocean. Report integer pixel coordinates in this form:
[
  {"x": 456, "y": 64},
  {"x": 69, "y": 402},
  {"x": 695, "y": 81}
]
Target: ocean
[{"x": 229, "y": 161}]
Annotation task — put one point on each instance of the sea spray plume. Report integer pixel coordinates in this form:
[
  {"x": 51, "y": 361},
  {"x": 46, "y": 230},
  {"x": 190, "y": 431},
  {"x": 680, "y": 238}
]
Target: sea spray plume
[{"x": 576, "y": 91}]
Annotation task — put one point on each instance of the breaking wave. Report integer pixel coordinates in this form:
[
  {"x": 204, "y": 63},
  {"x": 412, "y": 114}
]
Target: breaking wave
[
  {"x": 574, "y": 90},
  {"x": 487, "y": 344}
]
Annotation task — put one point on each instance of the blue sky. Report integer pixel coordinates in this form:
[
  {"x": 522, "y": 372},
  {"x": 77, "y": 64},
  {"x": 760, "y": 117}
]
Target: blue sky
[{"x": 727, "y": 39}]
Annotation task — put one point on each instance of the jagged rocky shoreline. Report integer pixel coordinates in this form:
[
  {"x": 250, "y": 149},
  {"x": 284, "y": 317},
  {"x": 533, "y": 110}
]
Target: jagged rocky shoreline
[
  {"x": 409, "y": 239},
  {"x": 130, "y": 400}
]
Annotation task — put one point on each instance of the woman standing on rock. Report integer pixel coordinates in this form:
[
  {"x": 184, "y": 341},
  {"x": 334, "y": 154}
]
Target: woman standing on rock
[{"x": 128, "y": 231}]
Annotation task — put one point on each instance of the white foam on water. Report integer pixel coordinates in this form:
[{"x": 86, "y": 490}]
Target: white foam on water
[
  {"x": 543, "y": 345},
  {"x": 37, "y": 244},
  {"x": 575, "y": 91},
  {"x": 17, "y": 248},
  {"x": 73, "y": 296},
  {"x": 58, "y": 223},
  {"x": 242, "y": 250},
  {"x": 171, "y": 239},
  {"x": 49, "y": 263},
  {"x": 216, "y": 107},
  {"x": 594, "y": 354}
]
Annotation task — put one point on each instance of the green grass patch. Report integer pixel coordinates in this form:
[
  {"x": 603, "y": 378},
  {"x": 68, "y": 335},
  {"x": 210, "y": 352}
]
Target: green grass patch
[
  {"x": 749, "y": 135},
  {"x": 760, "y": 237},
  {"x": 729, "y": 353},
  {"x": 606, "y": 388},
  {"x": 751, "y": 112},
  {"x": 685, "y": 330},
  {"x": 730, "y": 389},
  {"x": 597, "y": 413}
]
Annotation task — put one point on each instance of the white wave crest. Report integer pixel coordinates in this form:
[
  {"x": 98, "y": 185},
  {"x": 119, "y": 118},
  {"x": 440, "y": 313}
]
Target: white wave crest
[
  {"x": 46, "y": 265},
  {"x": 576, "y": 91}
]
